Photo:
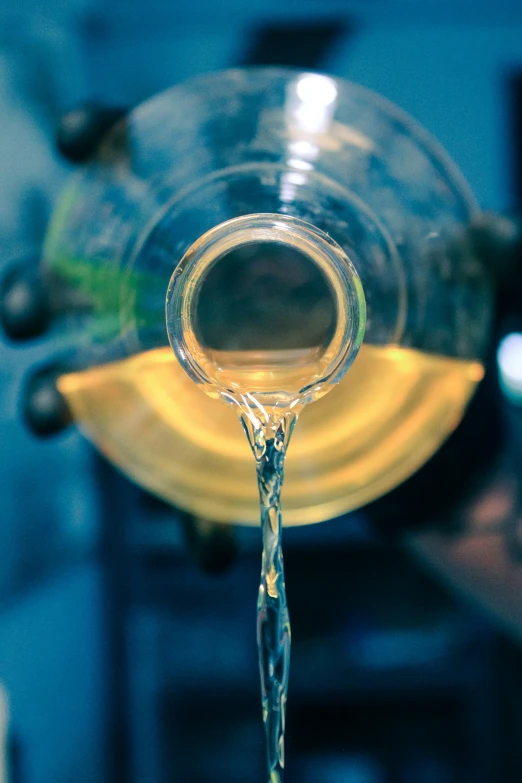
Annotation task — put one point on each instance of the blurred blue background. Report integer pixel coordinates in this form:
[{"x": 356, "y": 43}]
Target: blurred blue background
[{"x": 121, "y": 661}]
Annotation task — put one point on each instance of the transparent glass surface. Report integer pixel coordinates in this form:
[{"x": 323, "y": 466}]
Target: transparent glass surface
[
  {"x": 341, "y": 161},
  {"x": 266, "y": 313}
]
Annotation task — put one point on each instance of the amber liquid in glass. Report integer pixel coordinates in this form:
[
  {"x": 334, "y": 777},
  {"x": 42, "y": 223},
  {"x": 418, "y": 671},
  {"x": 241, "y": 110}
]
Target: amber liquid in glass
[{"x": 389, "y": 414}]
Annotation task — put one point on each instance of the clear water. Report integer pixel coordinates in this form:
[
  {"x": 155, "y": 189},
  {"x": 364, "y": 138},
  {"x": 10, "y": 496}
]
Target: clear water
[{"x": 269, "y": 441}]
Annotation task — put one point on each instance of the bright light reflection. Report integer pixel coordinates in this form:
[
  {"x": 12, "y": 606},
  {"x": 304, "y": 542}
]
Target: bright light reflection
[
  {"x": 509, "y": 358},
  {"x": 312, "y": 103},
  {"x": 312, "y": 88},
  {"x": 296, "y": 163},
  {"x": 303, "y": 149},
  {"x": 289, "y": 182},
  {"x": 294, "y": 178}
]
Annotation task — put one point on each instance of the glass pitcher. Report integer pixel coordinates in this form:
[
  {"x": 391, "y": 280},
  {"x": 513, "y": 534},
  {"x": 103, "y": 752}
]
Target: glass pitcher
[{"x": 340, "y": 160}]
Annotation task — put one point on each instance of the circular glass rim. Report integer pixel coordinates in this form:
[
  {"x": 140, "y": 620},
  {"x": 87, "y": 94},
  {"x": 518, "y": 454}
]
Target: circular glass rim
[{"x": 302, "y": 236}]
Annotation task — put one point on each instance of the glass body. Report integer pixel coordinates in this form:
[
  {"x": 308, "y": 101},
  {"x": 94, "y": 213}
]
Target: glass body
[{"x": 305, "y": 146}]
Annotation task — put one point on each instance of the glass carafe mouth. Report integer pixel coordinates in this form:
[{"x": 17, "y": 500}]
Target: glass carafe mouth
[
  {"x": 236, "y": 143},
  {"x": 278, "y": 373}
]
